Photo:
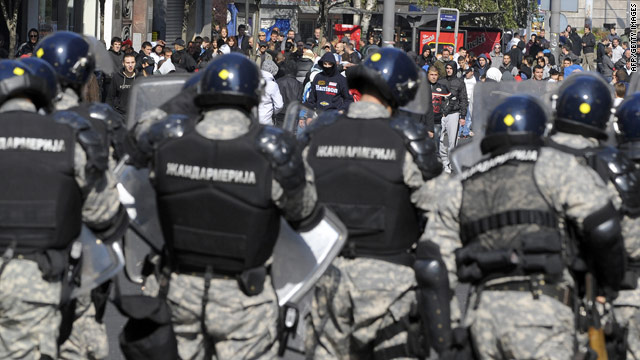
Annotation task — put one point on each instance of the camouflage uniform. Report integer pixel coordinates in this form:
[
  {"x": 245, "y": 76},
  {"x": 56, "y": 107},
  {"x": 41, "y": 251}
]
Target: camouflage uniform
[
  {"x": 512, "y": 324},
  {"x": 238, "y": 326},
  {"x": 88, "y": 338},
  {"x": 627, "y": 304},
  {"x": 29, "y": 315},
  {"x": 359, "y": 297}
]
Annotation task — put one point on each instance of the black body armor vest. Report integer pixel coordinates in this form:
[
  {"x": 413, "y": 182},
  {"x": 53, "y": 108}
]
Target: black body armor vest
[
  {"x": 506, "y": 225},
  {"x": 358, "y": 167},
  {"x": 214, "y": 201},
  {"x": 40, "y": 201}
]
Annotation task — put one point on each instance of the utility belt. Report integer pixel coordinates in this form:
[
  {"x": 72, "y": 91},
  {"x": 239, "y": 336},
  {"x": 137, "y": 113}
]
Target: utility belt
[
  {"x": 250, "y": 281},
  {"x": 400, "y": 257},
  {"x": 537, "y": 286},
  {"x": 53, "y": 263}
]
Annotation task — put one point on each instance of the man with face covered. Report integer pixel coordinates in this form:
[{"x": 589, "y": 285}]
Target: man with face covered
[
  {"x": 329, "y": 88},
  {"x": 455, "y": 113}
]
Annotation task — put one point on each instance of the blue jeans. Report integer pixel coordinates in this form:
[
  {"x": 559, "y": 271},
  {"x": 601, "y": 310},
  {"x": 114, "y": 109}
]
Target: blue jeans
[{"x": 464, "y": 130}]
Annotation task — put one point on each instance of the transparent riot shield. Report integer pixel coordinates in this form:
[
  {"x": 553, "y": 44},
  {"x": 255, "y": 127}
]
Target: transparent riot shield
[
  {"x": 486, "y": 96},
  {"x": 299, "y": 259},
  {"x": 104, "y": 62},
  {"x": 421, "y": 103},
  {"x": 151, "y": 92},
  {"x": 100, "y": 262},
  {"x": 297, "y": 117}
]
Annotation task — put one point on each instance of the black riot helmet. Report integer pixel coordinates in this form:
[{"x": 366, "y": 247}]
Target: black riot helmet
[
  {"x": 230, "y": 79},
  {"x": 44, "y": 70},
  {"x": 584, "y": 105},
  {"x": 17, "y": 79},
  {"x": 391, "y": 72},
  {"x": 519, "y": 120},
  {"x": 69, "y": 54},
  {"x": 628, "y": 126}
]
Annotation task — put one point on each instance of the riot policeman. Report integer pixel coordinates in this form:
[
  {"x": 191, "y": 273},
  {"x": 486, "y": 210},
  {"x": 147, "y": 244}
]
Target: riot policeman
[
  {"x": 498, "y": 226},
  {"x": 70, "y": 56},
  {"x": 53, "y": 181},
  {"x": 221, "y": 184},
  {"x": 628, "y": 302},
  {"x": 368, "y": 164},
  {"x": 583, "y": 107}
]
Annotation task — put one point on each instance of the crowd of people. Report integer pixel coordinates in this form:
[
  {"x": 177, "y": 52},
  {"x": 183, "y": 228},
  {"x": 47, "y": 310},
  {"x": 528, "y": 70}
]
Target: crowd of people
[{"x": 543, "y": 227}]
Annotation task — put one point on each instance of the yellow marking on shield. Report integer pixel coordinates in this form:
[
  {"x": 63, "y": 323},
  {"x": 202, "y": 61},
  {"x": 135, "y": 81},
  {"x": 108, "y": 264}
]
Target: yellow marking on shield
[{"x": 509, "y": 120}]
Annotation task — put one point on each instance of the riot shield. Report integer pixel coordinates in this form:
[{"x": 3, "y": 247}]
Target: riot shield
[
  {"x": 421, "y": 103},
  {"x": 486, "y": 96},
  {"x": 299, "y": 259},
  {"x": 634, "y": 86},
  {"x": 297, "y": 117},
  {"x": 100, "y": 262},
  {"x": 151, "y": 92},
  {"x": 104, "y": 62}
]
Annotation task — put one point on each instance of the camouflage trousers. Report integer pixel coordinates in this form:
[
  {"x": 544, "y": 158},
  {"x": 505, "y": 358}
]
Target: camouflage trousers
[
  {"x": 29, "y": 315},
  {"x": 514, "y": 325},
  {"x": 627, "y": 311},
  {"x": 88, "y": 339},
  {"x": 354, "y": 303},
  {"x": 237, "y": 326}
]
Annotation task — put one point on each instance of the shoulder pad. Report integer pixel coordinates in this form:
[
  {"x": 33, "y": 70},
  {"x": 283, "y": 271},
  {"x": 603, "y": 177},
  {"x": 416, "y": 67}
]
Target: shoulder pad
[
  {"x": 284, "y": 154},
  {"x": 613, "y": 165},
  {"x": 72, "y": 119},
  {"x": 171, "y": 126},
  {"x": 419, "y": 144},
  {"x": 88, "y": 138},
  {"x": 324, "y": 119}
]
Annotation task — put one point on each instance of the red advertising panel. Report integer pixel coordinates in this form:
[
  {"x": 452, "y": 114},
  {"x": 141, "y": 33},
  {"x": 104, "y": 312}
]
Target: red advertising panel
[
  {"x": 446, "y": 39},
  {"x": 482, "y": 41},
  {"x": 352, "y": 30}
]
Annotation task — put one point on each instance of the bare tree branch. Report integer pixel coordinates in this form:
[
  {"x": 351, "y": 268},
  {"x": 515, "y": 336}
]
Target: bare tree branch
[{"x": 336, "y": 3}]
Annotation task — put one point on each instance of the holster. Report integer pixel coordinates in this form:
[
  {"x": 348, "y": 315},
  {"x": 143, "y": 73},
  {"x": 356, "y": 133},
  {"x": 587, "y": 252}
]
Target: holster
[{"x": 251, "y": 281}]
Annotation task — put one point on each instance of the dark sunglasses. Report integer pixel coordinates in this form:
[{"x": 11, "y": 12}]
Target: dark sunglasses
[{"x": 33, "y": 36}]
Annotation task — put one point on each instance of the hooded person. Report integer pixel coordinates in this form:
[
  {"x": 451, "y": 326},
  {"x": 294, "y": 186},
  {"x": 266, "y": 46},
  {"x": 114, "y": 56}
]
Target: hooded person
[
  {"x": 33, "y": 36},
  {"x": 271, "y": 100},
  {"x": 481, "y": 66},
  {"x": 329, "y": 89},
  {"x": 455, "y": 113},
  {"x": 517, "y": 54}
]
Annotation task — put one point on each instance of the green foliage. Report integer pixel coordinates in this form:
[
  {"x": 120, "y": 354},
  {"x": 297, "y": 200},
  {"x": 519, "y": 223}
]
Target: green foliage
[{"x": 512, "y": 13}]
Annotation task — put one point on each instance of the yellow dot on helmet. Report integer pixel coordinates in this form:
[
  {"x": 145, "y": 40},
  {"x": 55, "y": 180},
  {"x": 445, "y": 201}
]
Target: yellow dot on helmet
[
  {"x": 223, "y": 74},
  {"x": 376, "y": 57},
  {"x": 18, "y": 71},
  {"x": 40, "y": 52},
  {"x": 585, "y": 108},
  {"x": 509, "y": 120}
]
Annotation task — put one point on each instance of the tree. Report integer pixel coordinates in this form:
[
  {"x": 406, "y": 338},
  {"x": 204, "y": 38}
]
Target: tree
[
  {"x": 512, "y": 13},
  {"x": 323, "y": 12},
  {"x": 220, "y": 12},
  {"x": 369, "y": 5},
  {"x": 10, "y": 9}
]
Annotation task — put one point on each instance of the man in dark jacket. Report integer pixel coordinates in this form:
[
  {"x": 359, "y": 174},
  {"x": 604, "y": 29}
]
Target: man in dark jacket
[
  {"x": 576, "y": 42},
  {"x": 455, "y": 113},
  {"x": 588, "y": 46},
  {"x": 290, "y": 89},
  {"x": 118, "y": 96},
  {"x": 517, "y": 54},
  {"x": 329, "y": 89},
  {"x": 115, "y": 53},
  {"x": 600, "y": 52},
  {"x": 186, "y": 62}
]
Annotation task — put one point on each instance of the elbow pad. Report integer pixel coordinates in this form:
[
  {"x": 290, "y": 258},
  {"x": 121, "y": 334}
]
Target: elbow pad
[
  {"x": 283, "y": 153},
  {"x": 418, "y": 143}
]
